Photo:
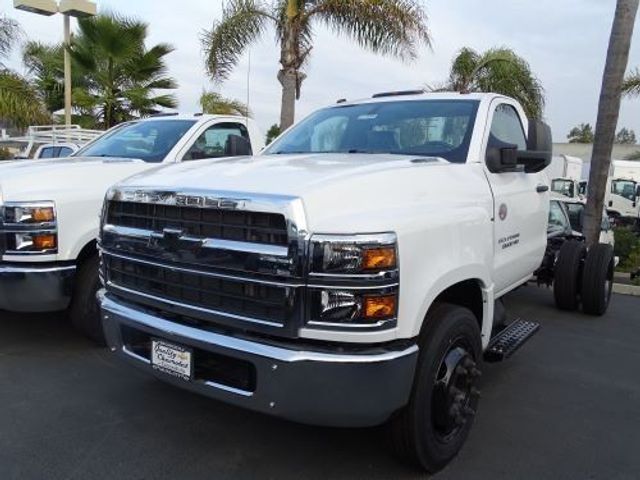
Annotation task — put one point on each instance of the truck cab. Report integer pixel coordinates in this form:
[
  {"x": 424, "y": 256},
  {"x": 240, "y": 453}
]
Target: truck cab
[
  {"x": 623, "y": 197},
  {"x": 345, "y": 276}
]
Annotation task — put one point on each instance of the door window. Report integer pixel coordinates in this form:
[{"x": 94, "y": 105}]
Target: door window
[
  {"x": 65, "y": 152},
  {"x": 558, "y": 221},
  {"x": 214, "y": 141},
  {"x": 47, "y": 152},
  {"x": 506, "y": 127}
]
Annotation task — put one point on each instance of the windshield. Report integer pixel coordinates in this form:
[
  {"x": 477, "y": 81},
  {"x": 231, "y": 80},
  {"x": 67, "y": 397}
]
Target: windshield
[
  {"x": 563, "y": 187},
  {"x": 624, "y": 188},
  {"x": 439, "y": 128},
  {"x": 148, "y": 140}
]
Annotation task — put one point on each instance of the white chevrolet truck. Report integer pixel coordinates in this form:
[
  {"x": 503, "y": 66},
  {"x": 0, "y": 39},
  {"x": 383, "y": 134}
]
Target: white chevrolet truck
[
  {"x": 49, "y": 209},
  {"x": 347, "y": 275}
]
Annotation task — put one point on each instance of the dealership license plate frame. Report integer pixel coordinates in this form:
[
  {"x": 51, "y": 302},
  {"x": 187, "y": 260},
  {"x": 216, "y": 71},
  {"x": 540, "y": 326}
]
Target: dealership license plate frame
[{"x": 185, "y": 374}]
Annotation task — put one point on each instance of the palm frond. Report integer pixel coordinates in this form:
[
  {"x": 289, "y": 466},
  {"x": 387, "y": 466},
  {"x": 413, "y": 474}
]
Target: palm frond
[
  {"x": 10, "y": 34},
  {"x": 631, "y": 85},
  {"x": 242, "y": 23},
  {"x": 214, "y": 103},
  {"x": 389, "y": 27},
  {"x": 19, "y": 102},
  {"x": 499, "y": 70}
]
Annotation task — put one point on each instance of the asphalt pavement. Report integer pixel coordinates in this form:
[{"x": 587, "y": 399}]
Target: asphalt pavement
[{"x": 567, "y": 406}]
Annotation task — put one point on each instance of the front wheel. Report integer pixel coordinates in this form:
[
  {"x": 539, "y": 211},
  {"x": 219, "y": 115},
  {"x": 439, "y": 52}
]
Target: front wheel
[
  {"x": 432, "y": 428},
  {"x": 84, "y": 311}
]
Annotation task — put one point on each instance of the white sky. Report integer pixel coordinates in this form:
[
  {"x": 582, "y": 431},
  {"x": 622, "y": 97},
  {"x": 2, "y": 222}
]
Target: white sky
[{"x": 565, "y": 42}]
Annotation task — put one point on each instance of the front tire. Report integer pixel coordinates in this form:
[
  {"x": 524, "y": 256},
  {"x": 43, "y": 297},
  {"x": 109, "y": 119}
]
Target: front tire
[
  {"x": 84, "y": 311},
  {"x": 597, "y": 279},
  {"x": 432, "y": 428},
  {"x": 568, "y": 275}
]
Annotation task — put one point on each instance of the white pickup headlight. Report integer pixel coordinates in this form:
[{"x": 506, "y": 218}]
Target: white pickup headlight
[
  {"x": 29, "y": 228},
  {"x": 30, "y": 213}
]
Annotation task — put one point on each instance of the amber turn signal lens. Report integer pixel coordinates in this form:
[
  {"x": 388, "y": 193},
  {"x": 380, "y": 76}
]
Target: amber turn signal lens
[
  {"x": 44, "y": 242},
  {"x": 379, "y": 258},
  {"x": 44, "y": 214},
  {"x": 380, "y": 307}
]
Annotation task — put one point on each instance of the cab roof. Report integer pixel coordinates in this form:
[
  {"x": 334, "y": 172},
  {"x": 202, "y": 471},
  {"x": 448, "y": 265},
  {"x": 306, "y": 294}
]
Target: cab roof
[{"x": 407, "y": 96}]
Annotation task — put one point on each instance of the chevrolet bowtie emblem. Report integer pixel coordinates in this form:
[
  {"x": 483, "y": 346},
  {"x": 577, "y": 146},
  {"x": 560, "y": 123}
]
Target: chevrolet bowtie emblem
[{"x": 169, "y": 239}]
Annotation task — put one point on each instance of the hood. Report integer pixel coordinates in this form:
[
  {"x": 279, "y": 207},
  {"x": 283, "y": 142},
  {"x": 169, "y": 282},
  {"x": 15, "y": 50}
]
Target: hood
[
  {"x": 339, "y": 191},
  {"x": 44, "y": 179},
  {"x": 293, "y": 175}
]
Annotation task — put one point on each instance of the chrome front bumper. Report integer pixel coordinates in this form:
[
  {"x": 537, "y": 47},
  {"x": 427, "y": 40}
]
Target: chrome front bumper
[
  {"x": 315, "y": 387},
  {"x": 35, "y": 288}
]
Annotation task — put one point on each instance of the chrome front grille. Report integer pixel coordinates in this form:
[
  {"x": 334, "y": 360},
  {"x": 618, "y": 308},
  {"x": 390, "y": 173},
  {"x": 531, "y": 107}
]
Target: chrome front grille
[
  {"x": 262, "y": 302},
  {"x": 233, "y": 225},
  {"x": 224, "y": 260}
]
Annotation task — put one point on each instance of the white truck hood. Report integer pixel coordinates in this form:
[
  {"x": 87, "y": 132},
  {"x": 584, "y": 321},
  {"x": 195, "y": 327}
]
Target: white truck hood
[
  {"x": 29, "y": 180},
  {"x": 339, "y": 191}
]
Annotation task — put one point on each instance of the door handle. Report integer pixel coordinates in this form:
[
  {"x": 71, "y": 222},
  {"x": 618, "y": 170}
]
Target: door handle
[{"x": 542, "y": 188}]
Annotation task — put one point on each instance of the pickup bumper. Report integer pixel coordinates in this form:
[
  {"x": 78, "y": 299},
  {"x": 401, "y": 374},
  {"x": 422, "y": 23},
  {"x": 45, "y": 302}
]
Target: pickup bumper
[
  {"x": 307, "y": 386},
  {"x": 35, "y": 288}
]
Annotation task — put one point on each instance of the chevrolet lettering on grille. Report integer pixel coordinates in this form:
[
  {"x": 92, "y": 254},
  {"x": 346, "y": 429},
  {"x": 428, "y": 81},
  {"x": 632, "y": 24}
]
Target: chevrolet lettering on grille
[{"x": 182, "y": 199}]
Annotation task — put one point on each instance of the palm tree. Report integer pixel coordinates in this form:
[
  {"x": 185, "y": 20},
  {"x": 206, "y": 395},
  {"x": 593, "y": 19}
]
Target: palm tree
[
  {"x": 389, "y": 27},
  {"x": 45, "y": 65},
  {"x": 583, "y": 133},
  {"x": 631, "y": 85},
  {"x": 498, "y": 70},
  {"x": 212, "y": 102},
  {"x": 19, "y": 102},
  {"x": 122, "y": 74},
  {"x": 608, "y": 112},
  {"x": 10, "y": 33}
]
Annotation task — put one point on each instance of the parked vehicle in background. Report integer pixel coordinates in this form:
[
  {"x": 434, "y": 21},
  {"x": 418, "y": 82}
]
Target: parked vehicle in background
[
  {"x": 49, "y": 208},
  {"x": 565, "y": 174},
  {"x": 41, "y": 141},
  {"x": 623, "y": 199},
  {"x": 574, "y": 210},
  {"x": 53, "y": 150},
  {"x": 348, "y": 275}
]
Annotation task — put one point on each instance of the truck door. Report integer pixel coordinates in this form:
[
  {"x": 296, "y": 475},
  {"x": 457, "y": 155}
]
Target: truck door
[{"x": 521, "y": 203}]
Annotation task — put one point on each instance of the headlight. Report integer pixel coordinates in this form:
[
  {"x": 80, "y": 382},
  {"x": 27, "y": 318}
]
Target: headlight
[
  {"x": 353, "y": 281},
  {"x": 29, "y": 228},
  {"x": 349, "y": 254},
  {"x": 30, "y": 214}
]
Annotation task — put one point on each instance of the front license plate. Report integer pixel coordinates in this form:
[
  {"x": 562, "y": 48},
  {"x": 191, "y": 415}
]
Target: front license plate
[{"x": 171, "y": 359}]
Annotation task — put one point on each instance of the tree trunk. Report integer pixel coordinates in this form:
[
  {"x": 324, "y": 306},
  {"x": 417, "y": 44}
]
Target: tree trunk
[
  {"x": 288, "y": 80},
  {"x": 608, "y": 112}
]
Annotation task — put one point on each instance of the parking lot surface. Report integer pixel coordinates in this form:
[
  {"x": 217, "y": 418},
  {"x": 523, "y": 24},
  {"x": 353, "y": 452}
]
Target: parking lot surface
[{"x": 567, "y": 406}]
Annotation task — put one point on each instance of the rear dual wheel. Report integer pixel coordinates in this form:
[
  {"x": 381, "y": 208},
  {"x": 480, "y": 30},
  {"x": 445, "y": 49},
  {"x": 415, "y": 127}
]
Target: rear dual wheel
[
  {"x": 568, "y": 275},
  {"x": 597, "y": 279},
  {"x": 584, "y": 276},
  {"x": 432, "y": 428}
]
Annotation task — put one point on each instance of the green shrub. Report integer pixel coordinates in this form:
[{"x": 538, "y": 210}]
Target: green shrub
[
  {"x": 626, "y": 241},
  {"x": 5, "y": 154}
]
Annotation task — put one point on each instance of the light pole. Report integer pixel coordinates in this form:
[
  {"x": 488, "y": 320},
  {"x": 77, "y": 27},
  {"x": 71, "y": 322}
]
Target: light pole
[{"x": 68, "y": 9}]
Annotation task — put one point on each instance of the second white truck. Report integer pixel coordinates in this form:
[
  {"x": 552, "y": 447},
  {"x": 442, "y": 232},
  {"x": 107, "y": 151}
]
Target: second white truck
[{"x": 49, "y": 208}]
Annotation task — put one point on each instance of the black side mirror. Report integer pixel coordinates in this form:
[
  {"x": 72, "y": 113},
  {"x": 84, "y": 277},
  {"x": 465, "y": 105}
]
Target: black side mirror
[
  {"x": 501, "y": 157},
  {"x": 539, "y": 147},
  {"x": 237, "y": 146}
]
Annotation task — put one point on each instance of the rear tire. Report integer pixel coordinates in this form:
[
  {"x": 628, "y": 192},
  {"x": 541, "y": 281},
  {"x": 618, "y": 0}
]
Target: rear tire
[
  {"x": 432, "y": 428},
  {"x": 597, "y": 279},
  {"x": 84, "y": 311},
  {"x": 568, "y": 275}
]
